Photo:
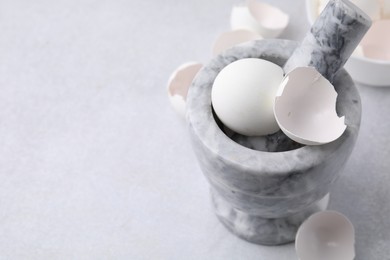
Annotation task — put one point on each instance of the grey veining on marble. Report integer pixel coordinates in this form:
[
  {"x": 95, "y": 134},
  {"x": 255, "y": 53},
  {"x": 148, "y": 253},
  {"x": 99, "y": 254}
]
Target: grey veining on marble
[
  {"x": 332, "y": 39},
  {"x": 263, "y": 184},
  {"x": 277, "y": 142},
  {"x": 273, "y": 230}
]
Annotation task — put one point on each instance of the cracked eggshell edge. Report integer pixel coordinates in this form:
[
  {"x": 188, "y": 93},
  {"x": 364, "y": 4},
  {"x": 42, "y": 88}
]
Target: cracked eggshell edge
[
  {"x": 280, "y": 107},
  {"x": 187, "y": 70}
]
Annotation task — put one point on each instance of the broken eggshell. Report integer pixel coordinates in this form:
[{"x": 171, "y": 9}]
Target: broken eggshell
[
  {"x": 386, "y": 9},
  {"x": 370, "y": 7},
  {"x": 305, "y": 108},
  {"x": 326, "y": 235},
  {"x": 376, "y": 43},
  {"x": 263, "y": 18},
  {"x": 229, "y": 39},
  {"x": 179, "y": 83}
]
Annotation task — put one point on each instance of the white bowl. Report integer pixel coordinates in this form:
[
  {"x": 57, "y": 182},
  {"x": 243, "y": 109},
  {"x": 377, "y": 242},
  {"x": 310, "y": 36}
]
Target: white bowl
[{"x": 362, "y": 70}]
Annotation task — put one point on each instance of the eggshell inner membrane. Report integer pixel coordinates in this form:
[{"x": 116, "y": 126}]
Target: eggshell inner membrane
[
  {"x": 386, "y": 9},
  {"x": 179, "y": 83},
  {"x": 243, "y": 96},
  {"x": 267, "y": 15},
  {"x": 229, "y": 39},
  {"x": 326, "y": 235},
  {"x": 305, "y": 108},
  {"x": 181, "y": 79},
  {"x": 376, "y": 43}
]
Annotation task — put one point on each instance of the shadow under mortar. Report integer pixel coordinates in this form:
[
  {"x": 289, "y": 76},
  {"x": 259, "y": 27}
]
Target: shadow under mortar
[{"x": 263, "y": 188}]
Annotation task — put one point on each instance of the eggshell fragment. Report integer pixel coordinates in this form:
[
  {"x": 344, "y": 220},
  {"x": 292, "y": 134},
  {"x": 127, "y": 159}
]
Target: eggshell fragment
[
  {"x": 179, "y": 83},
  {"x": 326, "y": 235},
  {"x": 386, "y": 9},
  {"x": 263, "y": 18},
  {"x": 243, "y": 94},
  {"x": 305, "y": 108},
  {"x": 376, "y": 43},
  {"x": 229, "y": 39}
]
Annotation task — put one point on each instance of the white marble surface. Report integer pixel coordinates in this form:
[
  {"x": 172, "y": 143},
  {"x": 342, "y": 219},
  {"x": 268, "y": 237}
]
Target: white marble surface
[{"x": 94, "y": 164}]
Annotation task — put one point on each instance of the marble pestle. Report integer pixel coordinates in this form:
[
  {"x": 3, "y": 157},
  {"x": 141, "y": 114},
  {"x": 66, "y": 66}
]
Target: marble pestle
[{"x": 332, "y": 39}]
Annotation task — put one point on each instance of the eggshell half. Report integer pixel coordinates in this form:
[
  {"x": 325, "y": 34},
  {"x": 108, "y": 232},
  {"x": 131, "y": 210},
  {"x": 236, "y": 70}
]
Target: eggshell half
[
  {"x": 305, "y": 108},
  {"x": 227, "y": 40},
  {"x": 179, "y": 83},
  {"x": 263, "y": 18},
  {"x": 326, "y": 235},
  {"x": 376, "y": 43}
]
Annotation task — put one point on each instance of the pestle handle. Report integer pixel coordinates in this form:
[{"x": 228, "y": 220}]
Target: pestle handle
[{"x": 332, "y": 39}]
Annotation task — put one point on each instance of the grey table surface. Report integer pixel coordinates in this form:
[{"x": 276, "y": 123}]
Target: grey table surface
[{"x": 94, "y": 164}]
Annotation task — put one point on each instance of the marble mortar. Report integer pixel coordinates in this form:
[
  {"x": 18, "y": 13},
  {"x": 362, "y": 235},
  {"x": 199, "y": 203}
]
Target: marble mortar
[{"x": 263, "y": 188}]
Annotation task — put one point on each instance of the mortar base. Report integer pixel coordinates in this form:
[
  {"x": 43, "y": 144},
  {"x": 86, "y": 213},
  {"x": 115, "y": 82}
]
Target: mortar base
[{"x": 259, "y": 230}]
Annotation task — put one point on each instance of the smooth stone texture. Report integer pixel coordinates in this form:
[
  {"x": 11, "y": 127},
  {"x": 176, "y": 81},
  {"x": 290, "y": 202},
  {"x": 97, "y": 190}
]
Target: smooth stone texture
[
  {"x": 273, "y": 231},
  {"x": 260, "y": 183},
  {"x": 268, "y": 206},
  {"x": 332, "y": 39}
]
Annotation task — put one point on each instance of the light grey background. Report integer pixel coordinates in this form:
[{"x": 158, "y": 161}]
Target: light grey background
[{"x": 94, "y": 164}]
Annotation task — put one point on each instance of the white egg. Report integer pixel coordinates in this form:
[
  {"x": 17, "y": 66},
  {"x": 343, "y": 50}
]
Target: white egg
[
  {"x": 326, "y": 235},
  {"x": 305, "y": 108},
  {"x": 243, "y": 95},
  {"x": 260, "y": 17},
  {"x": 179, "y": 83}
]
